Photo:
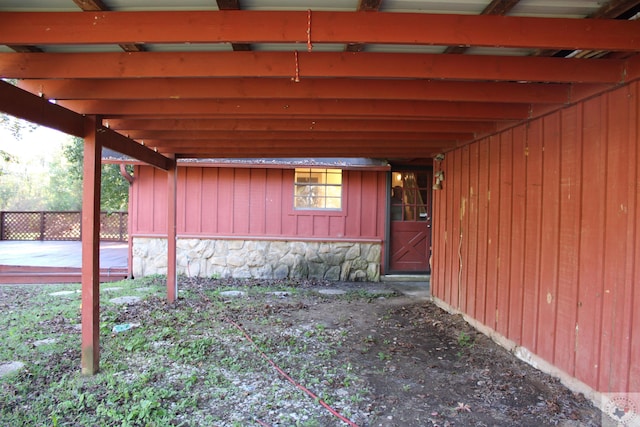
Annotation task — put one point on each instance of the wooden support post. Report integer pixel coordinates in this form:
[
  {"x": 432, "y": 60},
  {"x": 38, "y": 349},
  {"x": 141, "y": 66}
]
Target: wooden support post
[
  {"x": 172, "y": 274},
  {"x": 91, "y": 250}
]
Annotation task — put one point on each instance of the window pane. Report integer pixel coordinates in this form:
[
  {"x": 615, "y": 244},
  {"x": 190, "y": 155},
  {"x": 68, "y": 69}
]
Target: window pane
[{"x": 317, "y": 188}]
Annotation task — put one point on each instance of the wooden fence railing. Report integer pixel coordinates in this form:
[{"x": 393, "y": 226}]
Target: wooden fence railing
[{"x": 59, "y": 226}]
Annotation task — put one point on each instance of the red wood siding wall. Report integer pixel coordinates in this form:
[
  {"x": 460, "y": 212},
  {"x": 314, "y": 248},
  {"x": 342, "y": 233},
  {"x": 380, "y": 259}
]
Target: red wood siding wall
[
  {"x": 248, "y": 202},
  {"x": 537, "y": 233}
]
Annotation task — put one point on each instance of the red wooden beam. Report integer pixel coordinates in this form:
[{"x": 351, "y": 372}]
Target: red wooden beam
[
  {"x": 363, "y": 6},
  {"x": 233, "y": 5},
  {"x": 212, "y": 135},
  {"x": 90, "y": 360},
  {"x": 316, "y": 151},
  {"x": 172, "y": 269},
  {"x": 41, "y": 28},
  {"x": 320, "y": 125},
  {"x": 181, "y": 146},
  {"x": 257, "y": 88},
  {"x": 496, "y": 7},
  {"x": 22, "y": 104},
  {"x": 128, "y": 147},
  {"x": 314, "y": 64},
  {"x": 329, "y": 148},
  {"x": 299, "y": 107}
]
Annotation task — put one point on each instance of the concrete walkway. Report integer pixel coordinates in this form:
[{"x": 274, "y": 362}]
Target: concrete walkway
[{"x": 59, "y": 254}]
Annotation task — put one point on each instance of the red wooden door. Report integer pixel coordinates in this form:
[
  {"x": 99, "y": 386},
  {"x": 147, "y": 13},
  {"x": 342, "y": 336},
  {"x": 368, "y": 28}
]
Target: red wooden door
[{"x": 410, "y": 222}]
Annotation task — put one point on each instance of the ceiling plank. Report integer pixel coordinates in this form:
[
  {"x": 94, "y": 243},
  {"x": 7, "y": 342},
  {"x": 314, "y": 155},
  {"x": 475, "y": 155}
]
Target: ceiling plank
[
  {"x": 315, "y": 64},
  {"x": 496, "y": 7},
  {"x": 320, "y": 125},
  {"x": 38, "y": 28},
  {"x": 257, "y": 88},
  {"x": 302, "y": 107}
]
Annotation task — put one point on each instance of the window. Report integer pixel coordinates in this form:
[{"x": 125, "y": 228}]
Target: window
[{"x": 318, "y": 188}]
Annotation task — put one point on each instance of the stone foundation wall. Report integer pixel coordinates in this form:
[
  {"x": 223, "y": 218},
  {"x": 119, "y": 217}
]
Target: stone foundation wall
[{"x": 347, "y": 261}]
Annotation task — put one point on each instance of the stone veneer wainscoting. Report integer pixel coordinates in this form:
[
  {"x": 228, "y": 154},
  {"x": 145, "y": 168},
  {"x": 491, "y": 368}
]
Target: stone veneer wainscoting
[{"x": 265, "y": 259}]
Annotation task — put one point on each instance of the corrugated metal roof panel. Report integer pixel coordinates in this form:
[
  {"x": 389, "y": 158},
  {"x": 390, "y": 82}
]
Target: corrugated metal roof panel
[
  {"x": 498, "y": 51},
  {"x": 317, "y": 47},
  {"x": 189, "y": 47},
  {"x": 556, "y": 8},
  {"x": 137, "y": 5},
  {"x": 38, "y": 5},
  {"x": 81, "y": 48},
  {"x": 336, "y": 5},
  {"x": 466, "y": 7},
  {"x": 401, "y": 48}
]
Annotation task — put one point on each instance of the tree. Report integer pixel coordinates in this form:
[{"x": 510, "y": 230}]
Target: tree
[{"x": 114, "y": 188}]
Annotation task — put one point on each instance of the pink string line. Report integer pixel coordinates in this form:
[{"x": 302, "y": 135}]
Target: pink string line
[
  {"x": 284, "y": 374},
  {"x": 309, "y": 45}
]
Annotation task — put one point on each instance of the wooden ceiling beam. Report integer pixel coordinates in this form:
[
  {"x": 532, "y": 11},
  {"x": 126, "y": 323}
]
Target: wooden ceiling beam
[
  {"x": 301, "y": 107},
  {"x": 46, "y": 28},
  {"x": 257, "y": 88},
  {"x": 315, "y": 64},
  {"x": 190, "y": 135},
  {"x": 180, "y": 146},
  {"x": 312, "y": 125},
  {"x": 310, "y": 152}
]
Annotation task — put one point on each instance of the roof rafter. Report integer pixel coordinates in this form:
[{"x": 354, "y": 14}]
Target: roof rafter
[
  {"x": 314, "y": 64},
  {"x": 258, "y": 88},
  {"x": 186, "y": 135},
  {"x": 305, "y": 107},
  {"x": 314, "y": 125},
  {"x": 34, "y": 28}
]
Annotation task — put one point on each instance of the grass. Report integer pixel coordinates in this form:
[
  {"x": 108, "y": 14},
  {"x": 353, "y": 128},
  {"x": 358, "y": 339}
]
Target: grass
[{"x": 184, "y": 365}]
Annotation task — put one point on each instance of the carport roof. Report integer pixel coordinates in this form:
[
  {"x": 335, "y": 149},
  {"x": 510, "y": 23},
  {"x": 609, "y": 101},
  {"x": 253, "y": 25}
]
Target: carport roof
[{"x": 388, "y": 79}]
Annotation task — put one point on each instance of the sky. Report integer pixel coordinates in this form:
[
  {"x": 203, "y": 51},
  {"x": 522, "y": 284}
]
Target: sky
[{"x": 42, "y": 142}]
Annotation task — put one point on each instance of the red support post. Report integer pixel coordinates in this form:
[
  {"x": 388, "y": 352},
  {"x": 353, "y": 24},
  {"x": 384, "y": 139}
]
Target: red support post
[
  {"x": 172, "y": 276},
  {"x": 91, "y": 250}
]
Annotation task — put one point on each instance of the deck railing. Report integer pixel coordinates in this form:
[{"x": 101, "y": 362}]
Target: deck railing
[{"x": 59, "y": 226}]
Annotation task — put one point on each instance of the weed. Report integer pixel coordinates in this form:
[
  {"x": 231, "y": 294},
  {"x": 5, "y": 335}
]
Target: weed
[
  {"x": 382, "y": 356},
  {"x": 465, "y": 340}
]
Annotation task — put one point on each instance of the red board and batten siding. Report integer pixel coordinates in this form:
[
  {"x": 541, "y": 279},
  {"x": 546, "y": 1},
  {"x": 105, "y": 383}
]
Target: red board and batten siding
[
  {"x": 544, "y": 222},
  {"x": 255, "y": 203}
]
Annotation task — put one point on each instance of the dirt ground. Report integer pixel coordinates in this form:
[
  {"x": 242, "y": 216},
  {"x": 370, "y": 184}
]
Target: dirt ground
[
  {"x": 423, "y": 366},
  {"x": 379, "y": 356}
]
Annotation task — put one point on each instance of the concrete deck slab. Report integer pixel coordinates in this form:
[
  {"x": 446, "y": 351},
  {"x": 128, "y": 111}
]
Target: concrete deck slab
[{"x": 60, "y": 254}]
